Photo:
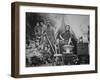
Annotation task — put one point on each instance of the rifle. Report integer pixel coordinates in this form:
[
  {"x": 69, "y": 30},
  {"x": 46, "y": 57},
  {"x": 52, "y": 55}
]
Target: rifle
[{"x": 50, "y": 42}]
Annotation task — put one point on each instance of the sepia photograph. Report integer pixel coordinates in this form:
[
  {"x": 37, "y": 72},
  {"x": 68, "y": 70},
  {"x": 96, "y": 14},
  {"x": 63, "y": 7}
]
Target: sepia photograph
[{"x": 57, "y": 39}]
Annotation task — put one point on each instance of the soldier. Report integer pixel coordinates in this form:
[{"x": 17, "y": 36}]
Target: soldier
[{"x": 66, "y": 35}]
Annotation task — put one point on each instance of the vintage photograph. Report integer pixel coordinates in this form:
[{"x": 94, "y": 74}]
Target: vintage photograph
[{"x": 54, "y": 39}]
